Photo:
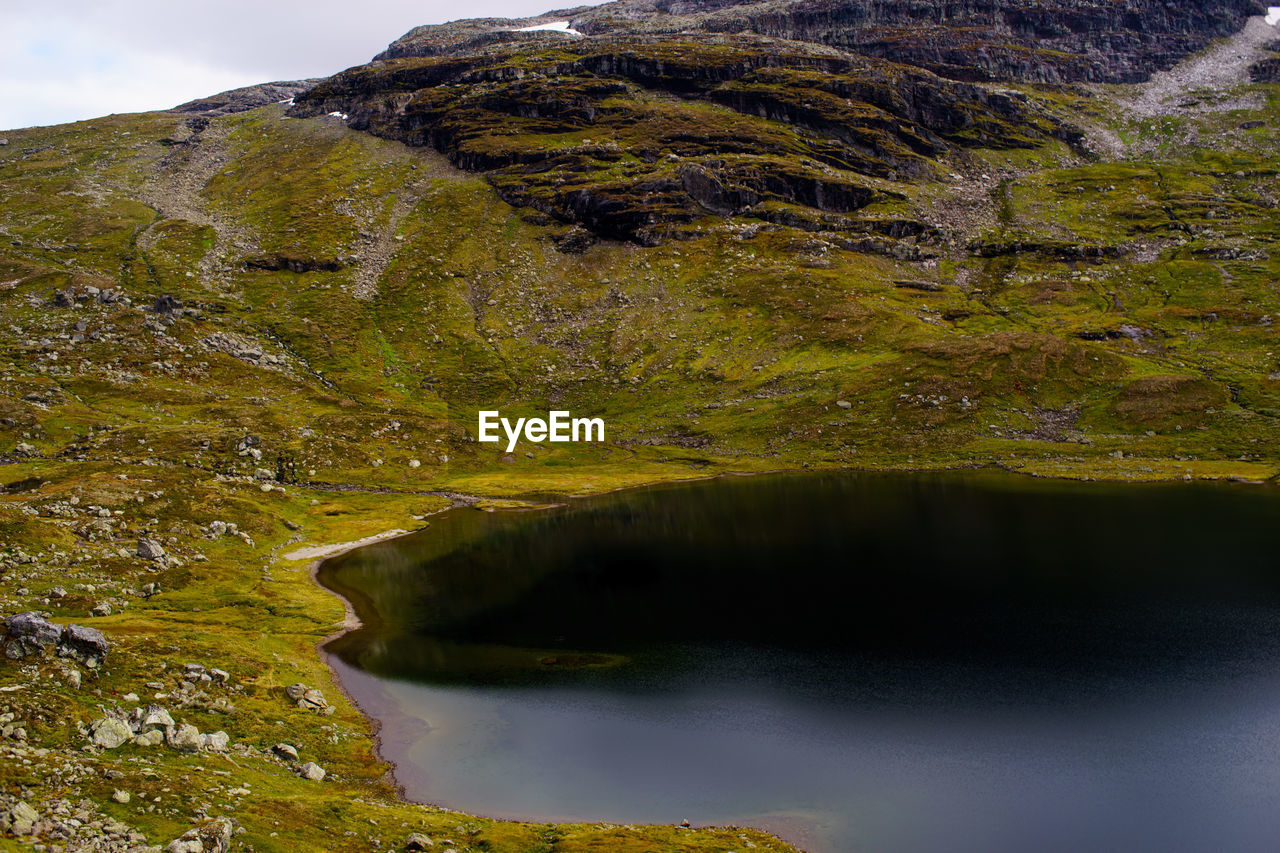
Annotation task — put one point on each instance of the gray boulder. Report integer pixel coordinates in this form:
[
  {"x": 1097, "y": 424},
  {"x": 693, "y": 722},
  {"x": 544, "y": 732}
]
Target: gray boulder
[
  {"x": 155, "y": 737},
  {"x": 20, "y": 819},
  {"x": 184, "y": 738},
  {"x": 212, "y": 836},
  {"x": 150, "y": 549},
  {"x": 285, "y": 751},
  {"x": 308, "y": 698},
  {"x": 156, "y": 717},
  {"x": 28, "y": 634},
  {"x": 312, "y": 771},
  {"x": 216, "y": 742},
  {"x": 87, "y": 645},
  {"x": 108, "y": 732}
]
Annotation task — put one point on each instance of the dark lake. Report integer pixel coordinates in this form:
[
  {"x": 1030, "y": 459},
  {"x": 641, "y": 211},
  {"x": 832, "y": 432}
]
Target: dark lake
[{"x": 858, "y": 662}]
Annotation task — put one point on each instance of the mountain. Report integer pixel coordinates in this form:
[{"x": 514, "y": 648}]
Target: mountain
[
  {"x": 749, "y": 236},
  {"x": 991, "y": 40}
]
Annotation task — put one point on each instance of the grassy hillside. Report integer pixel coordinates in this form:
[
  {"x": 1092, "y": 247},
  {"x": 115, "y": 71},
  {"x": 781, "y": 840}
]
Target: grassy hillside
[{"x": 1092, "y": 304}]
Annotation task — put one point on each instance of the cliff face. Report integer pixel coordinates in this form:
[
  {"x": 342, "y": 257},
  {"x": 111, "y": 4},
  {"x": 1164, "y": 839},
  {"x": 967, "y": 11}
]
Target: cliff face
[
  {"x": 638, "y": 118},
  {"x": 1113, "y": 41},
  {"x": 637, "y": 138}
]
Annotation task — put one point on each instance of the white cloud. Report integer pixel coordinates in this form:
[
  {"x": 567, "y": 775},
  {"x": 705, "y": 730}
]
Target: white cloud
[{"x": 66, "y": 60}]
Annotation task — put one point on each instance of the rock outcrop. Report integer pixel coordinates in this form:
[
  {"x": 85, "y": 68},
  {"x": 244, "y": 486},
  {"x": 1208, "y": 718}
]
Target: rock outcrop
[
  {"x": 639, "y": 119},
  {"x": 640, "y": 138},
  {"x": 247, "y": 98},
  {"x": 30, "y": 635},
  {"x": 1026, "y": 40}
]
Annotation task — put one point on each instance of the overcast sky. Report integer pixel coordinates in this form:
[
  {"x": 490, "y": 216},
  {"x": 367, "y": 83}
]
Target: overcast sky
[{"x": 66, "y": 60}]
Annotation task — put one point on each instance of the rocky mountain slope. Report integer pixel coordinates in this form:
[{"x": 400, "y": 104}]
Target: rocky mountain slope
[
  {"x": 749, "y": 236},
  {"x": 1044, "y": 42}
]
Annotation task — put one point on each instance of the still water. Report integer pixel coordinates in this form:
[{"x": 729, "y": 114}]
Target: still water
[{"x": 885, "y": 663}]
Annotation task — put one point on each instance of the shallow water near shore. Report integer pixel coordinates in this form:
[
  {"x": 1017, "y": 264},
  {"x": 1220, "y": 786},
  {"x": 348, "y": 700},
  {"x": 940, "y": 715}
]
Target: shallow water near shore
[{"x": 953, "y": 662}]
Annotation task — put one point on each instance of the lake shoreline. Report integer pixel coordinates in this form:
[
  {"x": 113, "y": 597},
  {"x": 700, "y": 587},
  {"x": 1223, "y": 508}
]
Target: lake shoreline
[{"x": 987, "y": 474}]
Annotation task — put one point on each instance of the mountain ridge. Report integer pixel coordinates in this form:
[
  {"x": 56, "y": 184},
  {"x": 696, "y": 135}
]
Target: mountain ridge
[{"x": 1062, "y": 41}]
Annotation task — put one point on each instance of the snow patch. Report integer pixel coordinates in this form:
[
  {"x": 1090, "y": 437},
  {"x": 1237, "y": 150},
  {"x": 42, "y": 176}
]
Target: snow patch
[
  {"x": 554, "y": 26},
  {"x": 342, "y": 116},
  {"x": 1273, "y": 15}
]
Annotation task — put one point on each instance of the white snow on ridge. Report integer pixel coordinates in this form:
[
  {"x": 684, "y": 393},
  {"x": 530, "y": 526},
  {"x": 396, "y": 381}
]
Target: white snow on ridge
[
  {"x": 556, "y": 26},
  {"x": 1273, "y": 15},
  {"x": 339, "y": 115}
]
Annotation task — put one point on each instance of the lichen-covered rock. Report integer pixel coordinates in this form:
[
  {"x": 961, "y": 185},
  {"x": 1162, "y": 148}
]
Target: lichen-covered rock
[
  {"x": 109, "y": 732},
  {"x": 156, "y": 717},
  {"x": 184, "y": 738},
  {"x": 308, "y": 698},
  {"x": 19, "y": 819},
  {"x": 212, "y": 836},
  {"x": 155, "y": 737},
  {"x": 215, "y": 742},
  {"x": 312, "y": 771},
  {"x": 150, "y": 549}
]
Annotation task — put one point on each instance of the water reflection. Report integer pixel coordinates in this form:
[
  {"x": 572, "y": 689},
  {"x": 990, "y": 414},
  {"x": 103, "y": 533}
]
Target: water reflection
[{"x": 893, "y": 663}]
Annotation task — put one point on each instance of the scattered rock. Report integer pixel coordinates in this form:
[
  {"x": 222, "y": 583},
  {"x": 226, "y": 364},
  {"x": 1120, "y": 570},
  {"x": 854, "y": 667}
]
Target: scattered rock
[
  {"x": 216, "y": 742},
  {"x": 89, "y": 646},
  {"x": 103, "y": 609},
  {"x": 150, "y": 549},
  {"x": 844, "y": 404},
  {"x": 20, "y": 819},
  {"x": 121, "y": 797},
  {"x": 311, "y": 771},
  {"x": 155, "y": 737},
  {"x": 285, "y": 751},
  {"x": 308, "y": 698},
  {"x": 108, "y": 732},
  {"x": 28, "y": 634},
  {"x": 156, "y": 717},
  {"x": 418, "y": 841},
  {"x": 184, "y": 738},
  {"x": 212, "y": 836},
  {"x": 167, "y": 305}
]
